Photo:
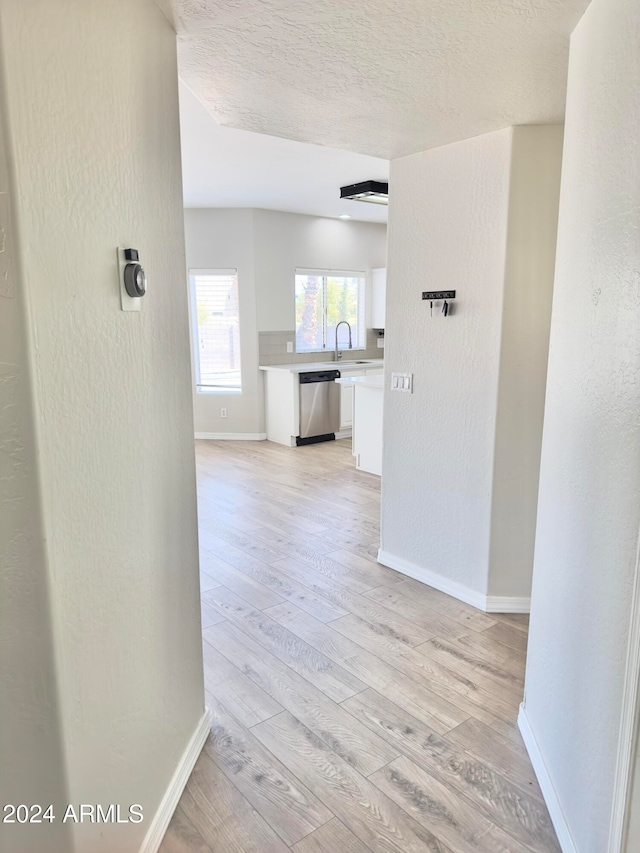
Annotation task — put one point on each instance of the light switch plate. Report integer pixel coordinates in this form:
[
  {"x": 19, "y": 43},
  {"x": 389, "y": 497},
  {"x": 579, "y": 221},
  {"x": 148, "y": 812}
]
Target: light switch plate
[
  {"x": 289, "y": 346},
  {"x": 380, "y": 343},
  {"x": 402, "y": 382}
]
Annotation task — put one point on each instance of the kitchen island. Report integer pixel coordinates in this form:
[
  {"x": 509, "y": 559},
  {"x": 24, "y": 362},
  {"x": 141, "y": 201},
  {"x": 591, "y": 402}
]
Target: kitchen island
[{"x": 367, "y": 421}]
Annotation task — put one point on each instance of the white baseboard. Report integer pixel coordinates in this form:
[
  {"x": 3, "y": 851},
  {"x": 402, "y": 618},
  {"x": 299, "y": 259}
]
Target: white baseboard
[
  {"x": 487, "y": 603},
  {"x": 565, "y": 839},
  {"x": 507, "y": 604},
  {"x": 457, "y": 590},
  {"x": 232, "y": 436},
  {"x": 162, "y": 817}
]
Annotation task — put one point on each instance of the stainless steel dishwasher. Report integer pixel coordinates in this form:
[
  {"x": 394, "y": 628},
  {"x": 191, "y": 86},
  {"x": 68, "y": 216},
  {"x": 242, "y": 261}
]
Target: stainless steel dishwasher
[{"x": 319, "y": 406}]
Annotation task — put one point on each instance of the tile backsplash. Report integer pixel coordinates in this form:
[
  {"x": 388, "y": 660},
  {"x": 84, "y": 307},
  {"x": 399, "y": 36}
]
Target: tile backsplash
[{"x": 273, "y": 349}]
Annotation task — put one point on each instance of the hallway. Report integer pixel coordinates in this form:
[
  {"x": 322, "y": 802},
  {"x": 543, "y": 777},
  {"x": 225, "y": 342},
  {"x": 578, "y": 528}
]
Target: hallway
[{"x": 354, "y": 709}]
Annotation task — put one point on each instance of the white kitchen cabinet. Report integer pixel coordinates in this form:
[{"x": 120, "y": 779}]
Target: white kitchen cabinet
[
  {"x": 378, "y": 297},
  {"x": 367, "y": 429},
  {"x": 346, "y": 400},
  {"x": 282, "y": 398},
  {"x": 367, "y": 421}
]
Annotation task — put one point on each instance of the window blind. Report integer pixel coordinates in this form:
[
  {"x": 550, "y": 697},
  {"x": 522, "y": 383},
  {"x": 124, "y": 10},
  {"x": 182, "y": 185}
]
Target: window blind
[{"x": 217, "y": 329}]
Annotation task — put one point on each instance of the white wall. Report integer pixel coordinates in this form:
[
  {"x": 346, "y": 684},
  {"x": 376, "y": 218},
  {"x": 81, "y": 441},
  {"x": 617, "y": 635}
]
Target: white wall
[
  {"x": 30, "y": 725},
  {"x": 91, "y": 97},
  {"x": 224, "y": 239},
  {"x": 448, "y": 220},
  {"x": 286, "y": 241},
  {"x": 589, "y": 505},
  {"x": 266, "y": 247},
  {"x": 534, "y": 189},
  {"x": 470, "y": 217}
]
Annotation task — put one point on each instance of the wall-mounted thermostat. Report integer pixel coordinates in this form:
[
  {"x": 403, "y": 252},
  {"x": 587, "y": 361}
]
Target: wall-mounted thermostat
[{"x": 132, "y": 279}]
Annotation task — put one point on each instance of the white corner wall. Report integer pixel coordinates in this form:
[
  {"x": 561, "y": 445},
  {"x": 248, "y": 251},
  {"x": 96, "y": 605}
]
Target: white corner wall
[
  {"x": 266, "y": 246},
  {"x": 534, "y": 190},
  {"x": 461, "y": 453},
  {"x": 589, "y": 503},
  {"x": 92, "y": 112},
  {"x": 31, "y": 736},
  {"x": 448, "y": 218}
]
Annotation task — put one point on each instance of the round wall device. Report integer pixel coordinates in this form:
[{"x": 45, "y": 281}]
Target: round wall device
[{"x": 135, "y": 280}]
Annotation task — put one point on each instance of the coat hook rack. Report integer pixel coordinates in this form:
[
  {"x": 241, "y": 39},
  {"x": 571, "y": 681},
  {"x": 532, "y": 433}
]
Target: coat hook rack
[{"x": 444, "y": 296}]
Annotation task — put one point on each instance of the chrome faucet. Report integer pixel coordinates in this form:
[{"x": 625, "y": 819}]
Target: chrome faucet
[{"x": 338, "y": 354}]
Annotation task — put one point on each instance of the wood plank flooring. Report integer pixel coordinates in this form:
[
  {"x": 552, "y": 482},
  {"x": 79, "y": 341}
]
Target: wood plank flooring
[{"x": 354, "y": 709}]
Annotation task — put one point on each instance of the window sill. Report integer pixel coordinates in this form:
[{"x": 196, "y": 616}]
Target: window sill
[
  {"x": 225, "y": 391},
  {"x": 328, "y": 351}
]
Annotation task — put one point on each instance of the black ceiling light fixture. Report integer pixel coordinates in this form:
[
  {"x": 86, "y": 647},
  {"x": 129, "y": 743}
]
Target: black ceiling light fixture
[{"x": 375, "y": 192}]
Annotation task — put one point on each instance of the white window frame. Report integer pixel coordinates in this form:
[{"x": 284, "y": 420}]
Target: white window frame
[
  {"x": 195, "y": 353},
  {"x": 362, "y": 306}
]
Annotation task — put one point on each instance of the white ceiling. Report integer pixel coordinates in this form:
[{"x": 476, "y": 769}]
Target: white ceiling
[
  {"x": 380, "y": 77},
  {"x": 223, "y": 167}
]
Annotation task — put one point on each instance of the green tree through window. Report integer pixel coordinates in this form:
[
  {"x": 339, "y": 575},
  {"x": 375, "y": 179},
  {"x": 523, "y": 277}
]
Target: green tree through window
[{"x": 324, "y": 299}]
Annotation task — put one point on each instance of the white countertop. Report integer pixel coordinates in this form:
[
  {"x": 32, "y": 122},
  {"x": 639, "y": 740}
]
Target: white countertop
[
  {"x": 362, "y": 381},
  {"x": 324, "y": 365}
]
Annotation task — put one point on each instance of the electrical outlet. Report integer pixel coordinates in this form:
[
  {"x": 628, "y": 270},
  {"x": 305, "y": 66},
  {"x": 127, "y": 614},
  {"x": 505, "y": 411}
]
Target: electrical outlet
[
  {"x": 380, "y": 343},
  {"x": 289, "y": 346},
  {"x": 223, "y": 413}
]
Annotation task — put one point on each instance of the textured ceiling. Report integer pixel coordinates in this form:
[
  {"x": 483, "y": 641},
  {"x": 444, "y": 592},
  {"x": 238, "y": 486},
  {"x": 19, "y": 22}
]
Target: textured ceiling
[
  {"x": 374, "y": 76},
  {"x": 225, "y": 167}
]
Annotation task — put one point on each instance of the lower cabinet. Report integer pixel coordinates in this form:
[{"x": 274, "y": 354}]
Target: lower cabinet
[
  {"x": 367, "y": 429},
  {"x": 346, "y": 400},
  {"x": 346, "y": 406}
]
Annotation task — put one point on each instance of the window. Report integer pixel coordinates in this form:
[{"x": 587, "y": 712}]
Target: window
[
  {"x": 323, "y": 299},
  {"x": 216, "y": 329}
]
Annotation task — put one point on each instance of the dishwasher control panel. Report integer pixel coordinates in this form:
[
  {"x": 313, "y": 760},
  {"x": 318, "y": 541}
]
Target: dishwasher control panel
[{"x": 319, "y": 376}]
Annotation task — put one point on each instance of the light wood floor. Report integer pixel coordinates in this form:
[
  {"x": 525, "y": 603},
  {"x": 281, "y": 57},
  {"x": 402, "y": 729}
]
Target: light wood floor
[{"x": 354, "y": 709}]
